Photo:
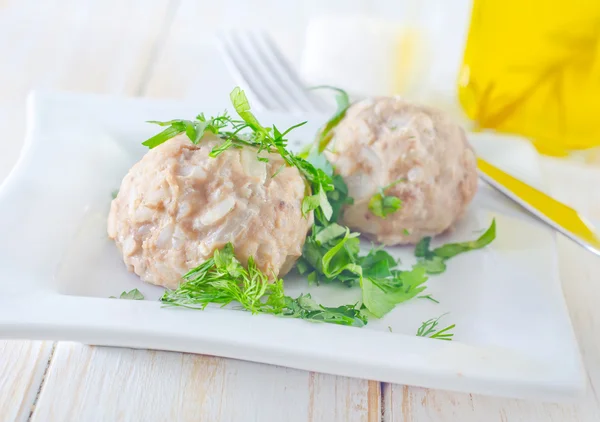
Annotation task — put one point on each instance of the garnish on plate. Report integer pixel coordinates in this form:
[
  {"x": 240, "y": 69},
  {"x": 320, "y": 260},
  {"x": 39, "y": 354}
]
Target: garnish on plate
[
  {"x": 331, "y": 251},
  {"x": 269, "y": 139},
  {"x": 434, "y": 261},
  {"x": 429, "y": 297},
  {"x": 429, "y": 329},
  {"x": 134, "y": 294},
  {"x": 343, "y": 103},
  {"x": 383, "y": 205},
  {"x": 223, "y": 280}
]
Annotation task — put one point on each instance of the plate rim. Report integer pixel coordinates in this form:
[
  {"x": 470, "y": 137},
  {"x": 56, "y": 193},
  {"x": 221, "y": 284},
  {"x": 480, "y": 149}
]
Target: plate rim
[{"x": 20, "y": 316}]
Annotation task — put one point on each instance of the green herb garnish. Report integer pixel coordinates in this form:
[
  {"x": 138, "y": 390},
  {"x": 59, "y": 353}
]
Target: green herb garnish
[
  {"x": 429, "y": 297},
  {"x": 381, "y": 295},
  {"x": 434, "y": 261},
  {"x": 331, "y": 251},
  {"x": 134, "y": 294},
  {"x": 382, "y": 205},
  {"x": 429, "y": 329},
  {"x": 223, "y": 280},
  {"x": 452, "y": 249},
  {"x": 433, "y": 264},
  {"x": 343, "y": 103},
  {"x": 194, "y": 129},
  {"x": 269, "y": 139}
]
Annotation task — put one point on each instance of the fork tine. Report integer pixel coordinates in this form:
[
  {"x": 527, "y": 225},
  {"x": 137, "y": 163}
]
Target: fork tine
[
  {"x": 287, "y": 81},
  {"x": 247, "y": 43},
  {"x": 256, "y": 63},
  {"x": 242, "y": 74},
  {"x": 287, "y": 72},
  {"x": 250, "y": 71}
]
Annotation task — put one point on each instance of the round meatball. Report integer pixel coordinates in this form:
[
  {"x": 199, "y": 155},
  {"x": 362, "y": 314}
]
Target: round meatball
[
  {"x": 387, "y": 140},
  {"x": 177, "y": 205}
]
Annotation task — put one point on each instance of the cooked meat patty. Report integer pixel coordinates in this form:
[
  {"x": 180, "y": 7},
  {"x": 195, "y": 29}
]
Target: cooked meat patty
[
  {"x": 386, "y": 139},
  {"x": 177, "y": 205}
]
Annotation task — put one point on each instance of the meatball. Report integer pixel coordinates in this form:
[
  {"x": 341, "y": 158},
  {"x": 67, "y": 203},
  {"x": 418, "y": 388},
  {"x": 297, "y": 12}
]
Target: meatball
[
  {"x": 384, "y": 140},
  {"x": 177, "y": 206}
]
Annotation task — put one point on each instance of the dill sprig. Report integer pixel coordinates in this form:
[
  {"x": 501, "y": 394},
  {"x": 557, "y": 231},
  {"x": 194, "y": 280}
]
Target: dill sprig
[
  {"x": 429, "y": 329},
  {"x": 330, "y": 252},
  {"x": 223, "y": 280}
]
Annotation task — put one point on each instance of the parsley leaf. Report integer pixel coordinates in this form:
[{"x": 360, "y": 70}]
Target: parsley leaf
[
  {"x": 324, "y": 204},
  {"x": 422, "y": 248},
  {"x": 429, "y": 329},
  {"x": 134, "y": 294},
  {"x": 194, "y": 129},
  {"x": 343, "y": 103},
  {"x": 263, "y": 138},
  {"x": 305, "y": 307},
  {"x": 331, "y": 252},
  {"x": 170, "y": 132},
  {"x": 434, "y": 261},
  {"x": 339, "y": 258},
  {"x": 452, "y": 249},
  {"x": 338, "y": 197},
  {"x": 381, "y": 295},
  {"x": 329, "y": 233},
  {"x": 310, "y": 203},
  {"x": 433, "y": 264},
  {"x": 242, "y": 107},
  {"x": 382, "y": 205}
]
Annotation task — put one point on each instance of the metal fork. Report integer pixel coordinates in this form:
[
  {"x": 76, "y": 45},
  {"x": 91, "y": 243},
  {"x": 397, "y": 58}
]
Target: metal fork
[{"x": 257, "y": 65}]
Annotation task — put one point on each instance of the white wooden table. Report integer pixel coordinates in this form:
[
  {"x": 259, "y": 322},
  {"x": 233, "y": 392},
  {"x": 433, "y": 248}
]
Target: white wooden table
[{"x": 162, "y": 48}]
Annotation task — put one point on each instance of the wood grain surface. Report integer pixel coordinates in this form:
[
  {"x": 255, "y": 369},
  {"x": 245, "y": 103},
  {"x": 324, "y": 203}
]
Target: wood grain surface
[
  {"x": 580, "y": 275},
  {"x": 113, "y": 384}
]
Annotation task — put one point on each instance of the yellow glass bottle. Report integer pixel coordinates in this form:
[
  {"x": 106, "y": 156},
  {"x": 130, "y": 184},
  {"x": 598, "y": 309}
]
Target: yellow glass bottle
[{"x": 533, "y": 68}]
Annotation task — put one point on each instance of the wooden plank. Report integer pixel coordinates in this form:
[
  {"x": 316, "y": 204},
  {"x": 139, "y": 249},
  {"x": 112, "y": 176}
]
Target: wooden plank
[
  {"x": 579, "y": 274},
  {"x": 71, "y": 45},
  {"x": 22, "y": 363},
  {"x": 124, "y": 384},
  {"x": 104, "y": 383},
  {"x": 149, "y": 385},
  {"x": 22, "y": 367}
]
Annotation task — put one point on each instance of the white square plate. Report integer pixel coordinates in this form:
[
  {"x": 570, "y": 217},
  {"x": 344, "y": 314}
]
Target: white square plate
[{"x": 57, "y": 268}]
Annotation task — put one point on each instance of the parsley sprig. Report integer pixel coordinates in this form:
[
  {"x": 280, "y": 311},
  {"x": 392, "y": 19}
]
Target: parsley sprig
[
  {"x": 269, "y": 139},
  {"x": 383, "y": 205},
  {"x": 343, "y": 104},
  {"x": 434, "y": 261},
  {"x": 331, "y": 251}
]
